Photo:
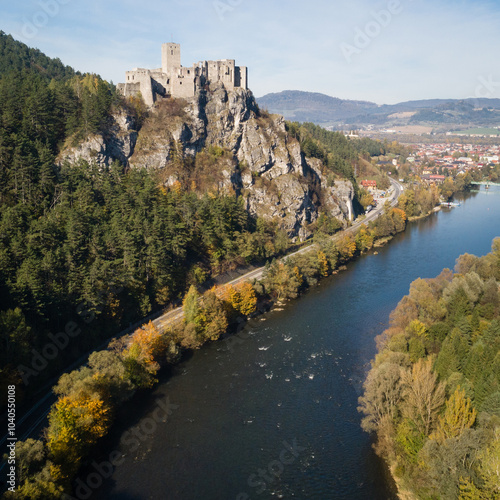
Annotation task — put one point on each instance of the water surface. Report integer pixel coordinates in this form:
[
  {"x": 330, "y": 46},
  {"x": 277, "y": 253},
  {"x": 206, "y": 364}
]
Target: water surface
[{"x": 273, "y": 413}]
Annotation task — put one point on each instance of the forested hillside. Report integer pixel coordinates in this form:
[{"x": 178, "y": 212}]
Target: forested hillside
[
  {"x": 16, "y": 56},
  {"x": 433, "y": 394},
  {"x": 344, "y": 156},
  {"x": 334, "y": 149},
  {"x": 77, "y": 239},
  {"x": 98, "y": 246},
  {"x": 46, "y": 212}
]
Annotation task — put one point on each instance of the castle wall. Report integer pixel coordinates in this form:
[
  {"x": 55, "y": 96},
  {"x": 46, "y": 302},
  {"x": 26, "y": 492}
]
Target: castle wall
[
  {"x": 129, "y": 89},
  {"x": 139, "y": 80},
  {"x": 241, "y": 77},
  {"x": 222, "y": 71},
  {"x": 175, "y": 80},
  {"x": 161, "y": 82},
  {"x": 183, "y": 87},
  {"x": 228, "y": 74}
]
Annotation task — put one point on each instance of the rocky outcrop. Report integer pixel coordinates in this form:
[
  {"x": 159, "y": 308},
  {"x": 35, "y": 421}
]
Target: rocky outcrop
[
  {"x": 261, "y": 163},
  {"x": 117, "y": 143},
  {"x": 338, "y": 198}
]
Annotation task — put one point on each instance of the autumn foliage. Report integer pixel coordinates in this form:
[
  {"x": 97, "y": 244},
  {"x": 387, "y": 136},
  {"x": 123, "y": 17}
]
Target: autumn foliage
[
  {"x": 147, "y": 345},
  {"x": 87, "y": 401},
  {"x": 432, "y": 396},
  {"x": 458, "y": 416},
  {"x": 324, "y": 267},
  {"x": 399, "y": 213},
  {"x": 75, "y": 424},
  {"x": 243, "y": 298},
  {"x": 205, "y": 317},
  {"x": 346, "y": 247}
]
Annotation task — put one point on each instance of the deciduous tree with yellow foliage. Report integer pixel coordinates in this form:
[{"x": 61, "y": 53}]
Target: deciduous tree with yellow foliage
[
  {"x": 346, "y": 247},
  {"x": 76, "y": 422},
  {"x": 243, "y": 298},
  {"x": 459, "y": 415}
]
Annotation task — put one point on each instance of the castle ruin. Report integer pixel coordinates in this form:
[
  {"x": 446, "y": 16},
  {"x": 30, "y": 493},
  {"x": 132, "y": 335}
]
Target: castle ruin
[{"x": 174, "y": 80}]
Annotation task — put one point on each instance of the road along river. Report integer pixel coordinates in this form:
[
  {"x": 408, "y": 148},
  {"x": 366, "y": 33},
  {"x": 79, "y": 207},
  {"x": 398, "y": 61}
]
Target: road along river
[{"x": 272, "y": 413}]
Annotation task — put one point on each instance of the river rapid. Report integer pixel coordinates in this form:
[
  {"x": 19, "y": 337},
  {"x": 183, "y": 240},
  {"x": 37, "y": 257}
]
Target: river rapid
[{"x": 272, "y": 413}]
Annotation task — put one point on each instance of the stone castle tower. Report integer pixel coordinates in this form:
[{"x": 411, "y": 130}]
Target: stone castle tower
[{"x": 174, "y": 80}]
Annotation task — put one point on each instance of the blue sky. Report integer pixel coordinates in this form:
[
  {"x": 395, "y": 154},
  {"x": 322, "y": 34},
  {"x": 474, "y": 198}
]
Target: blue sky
[{"x": 383, "y": 51}]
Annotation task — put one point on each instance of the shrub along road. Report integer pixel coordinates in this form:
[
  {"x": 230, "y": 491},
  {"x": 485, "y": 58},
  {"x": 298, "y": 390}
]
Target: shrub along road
[{"x": 34, "y": 420}]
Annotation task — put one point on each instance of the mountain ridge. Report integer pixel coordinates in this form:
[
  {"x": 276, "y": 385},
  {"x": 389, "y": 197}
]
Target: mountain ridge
[{"x": 323, "y": 109}]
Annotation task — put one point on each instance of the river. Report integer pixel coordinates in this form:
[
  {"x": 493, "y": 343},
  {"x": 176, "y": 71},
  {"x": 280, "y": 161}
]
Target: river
[{"x": 272, "y": 413}]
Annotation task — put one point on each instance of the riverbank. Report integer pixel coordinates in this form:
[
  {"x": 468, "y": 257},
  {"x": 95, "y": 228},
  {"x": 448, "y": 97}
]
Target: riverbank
[
  {"x": 295, "y": 375},
  {"x": 137, "y": 359},
  {"x": 439, "y": 429},
  {"x": 402, "y": 492},
  {"x": 423, "y": 216}
]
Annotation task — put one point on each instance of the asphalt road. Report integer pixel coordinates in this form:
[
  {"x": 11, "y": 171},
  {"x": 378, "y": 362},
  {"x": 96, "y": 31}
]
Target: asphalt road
[
  {"x": 176, "y": 315},
  {"x": 31, "y": 423}
]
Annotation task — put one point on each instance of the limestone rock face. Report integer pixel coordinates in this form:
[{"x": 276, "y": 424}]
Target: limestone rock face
[
  {"x": 264, "y": 164},
  {"x": 117, "y": 144},
  {"x": 337, "y": 198}
]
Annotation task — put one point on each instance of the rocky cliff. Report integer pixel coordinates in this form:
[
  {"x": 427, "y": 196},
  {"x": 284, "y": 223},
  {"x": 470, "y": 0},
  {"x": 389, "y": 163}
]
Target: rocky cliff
[
  {"x": 220, "y": 142},
  {"x": 117, "y": 143}
]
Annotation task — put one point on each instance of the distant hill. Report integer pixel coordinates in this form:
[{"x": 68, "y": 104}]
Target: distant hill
[
  {"x": 312, "y": 106},
  {"x": 326, "y": 110}
]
